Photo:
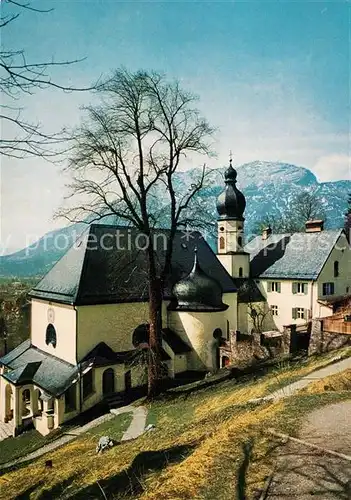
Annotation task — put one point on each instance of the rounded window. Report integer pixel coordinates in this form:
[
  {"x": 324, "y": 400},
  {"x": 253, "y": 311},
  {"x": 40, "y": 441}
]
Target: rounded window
[
  {"x": 141, "y": 335},
  {"x": 51, "y": 337}
]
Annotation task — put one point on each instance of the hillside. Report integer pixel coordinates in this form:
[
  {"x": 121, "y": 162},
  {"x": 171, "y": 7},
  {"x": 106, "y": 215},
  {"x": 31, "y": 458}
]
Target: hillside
[
  {"x": 209, "y": 442},
  {"x": 269, "y": 188}
]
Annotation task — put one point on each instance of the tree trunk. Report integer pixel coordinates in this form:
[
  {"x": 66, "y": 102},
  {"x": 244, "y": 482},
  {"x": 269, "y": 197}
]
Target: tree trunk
[{"x": 155, "y": 336}]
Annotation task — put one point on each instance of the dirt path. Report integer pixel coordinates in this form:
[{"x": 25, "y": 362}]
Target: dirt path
[{"x": 305, "y": 473}]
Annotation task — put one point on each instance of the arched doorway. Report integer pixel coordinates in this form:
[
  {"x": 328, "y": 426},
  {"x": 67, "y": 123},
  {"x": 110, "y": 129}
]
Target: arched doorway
[
  {"x": 108, "y": 381},
  {"x": 26, "y": 401},
  {"x": 225, "y": 361},
  {"x": 128, "y": 381},
  {"x": 217, "y": 335}
]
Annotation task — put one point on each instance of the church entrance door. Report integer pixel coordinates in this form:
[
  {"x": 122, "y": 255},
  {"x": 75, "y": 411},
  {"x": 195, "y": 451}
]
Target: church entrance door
[{"x": 108, "y": 381}]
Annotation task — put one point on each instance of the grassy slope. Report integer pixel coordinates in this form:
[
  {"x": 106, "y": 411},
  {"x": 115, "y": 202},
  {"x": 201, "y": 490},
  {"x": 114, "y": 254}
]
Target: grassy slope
[{"x": 208, "y": 443}]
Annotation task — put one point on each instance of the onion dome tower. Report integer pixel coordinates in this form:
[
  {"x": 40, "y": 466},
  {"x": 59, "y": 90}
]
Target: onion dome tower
[
  {"x": 198, "y": 292},
  {"x": 231, "y": 205}
]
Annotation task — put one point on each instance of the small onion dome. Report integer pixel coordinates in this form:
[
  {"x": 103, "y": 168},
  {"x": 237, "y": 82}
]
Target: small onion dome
[
  {"x": 198, "y": 292},
  {"x": 231, "y": 203}
]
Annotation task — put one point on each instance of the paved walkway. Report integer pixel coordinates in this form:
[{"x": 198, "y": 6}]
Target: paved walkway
[
  {"x": 305, "y": 473},
  {"x": 332, "y": 369},
  {"x": 135, "y": 429}
]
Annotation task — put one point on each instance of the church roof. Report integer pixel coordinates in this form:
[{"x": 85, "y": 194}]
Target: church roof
[
  {"x": 105, "y": 265},
  {"x": 291, "y": 256},
  {"x": 28, "y": 364},
  {"x": 103, "y": 355},
  {"x": 198, "y": 291}
]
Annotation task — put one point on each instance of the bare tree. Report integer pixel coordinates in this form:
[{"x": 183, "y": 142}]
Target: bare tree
[
  {"x": 125, "y": 156},
  {"x": 306, "y": 206},
  {"x": 20, "y": 78}
]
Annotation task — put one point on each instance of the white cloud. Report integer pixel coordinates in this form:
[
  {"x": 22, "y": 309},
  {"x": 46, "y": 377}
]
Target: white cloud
[{"x": 333, "y": 166}]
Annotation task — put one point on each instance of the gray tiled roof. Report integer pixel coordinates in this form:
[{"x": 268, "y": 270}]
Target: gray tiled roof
[
  {"x": 91, "y": 274},
  {"x": 30, "y": 364},
  {"x": 294, "y": 256}
]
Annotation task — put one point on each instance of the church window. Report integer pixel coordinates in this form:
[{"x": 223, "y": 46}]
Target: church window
[
  {"x": 141, "y": 335},
  {"x": 70, "y": 399},
  {"x": 87, "y": 384},
  {"x": 240, "y": 241},
  {"x": 217, "y": 334},
  {"x": 240, "y": 272},
  {"x": 51, "y": 337},
  {"x": 336, "y": 269},
  {"x": 221, "y": 243}
]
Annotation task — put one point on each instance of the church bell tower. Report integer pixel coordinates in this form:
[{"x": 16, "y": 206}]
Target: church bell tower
[{"x": 230, "y": 207}]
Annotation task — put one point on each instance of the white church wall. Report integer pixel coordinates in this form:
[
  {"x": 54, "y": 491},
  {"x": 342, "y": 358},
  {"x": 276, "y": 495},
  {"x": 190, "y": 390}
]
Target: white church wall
[
  {"x": 231, "y": 314},
  {"x": 196, "y": 329},
  {"x": 113, "y": 324},
  {"x": 63, "y": 318}
]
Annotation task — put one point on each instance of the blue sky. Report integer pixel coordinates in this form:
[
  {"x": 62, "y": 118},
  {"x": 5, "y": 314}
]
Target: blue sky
[{"x": 272, "y": 76}]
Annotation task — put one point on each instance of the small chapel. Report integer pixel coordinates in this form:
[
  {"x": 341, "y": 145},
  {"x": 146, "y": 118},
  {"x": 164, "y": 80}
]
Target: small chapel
[{"x": 89, "y": 315}]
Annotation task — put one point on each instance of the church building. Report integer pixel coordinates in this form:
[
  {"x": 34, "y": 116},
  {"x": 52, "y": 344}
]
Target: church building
[{"x": 89, "y": 314}]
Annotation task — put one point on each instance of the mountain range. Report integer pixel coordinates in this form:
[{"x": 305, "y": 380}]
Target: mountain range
[{"x": 269, "y": 187}]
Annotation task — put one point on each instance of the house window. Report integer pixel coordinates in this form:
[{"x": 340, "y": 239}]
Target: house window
[
  {"x": 274, "y": 286},
  {"x": 87, "y": 384},
  {"x": 299, "y": 313},
  {"x": 336, "y": 269},
  {"x": 328, "y": 288},
  {"x": 274, "y": 310},
  {"x": 300, "y": 288},
  {"x": 240, "y": 272},
  {"x": 50, "y": 336}
]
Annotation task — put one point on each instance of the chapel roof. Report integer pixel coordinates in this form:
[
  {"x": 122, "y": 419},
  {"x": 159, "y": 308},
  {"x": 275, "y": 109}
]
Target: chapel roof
[
  {"x": 105, "y": 266},
  {"x": 28, "y": 364}
]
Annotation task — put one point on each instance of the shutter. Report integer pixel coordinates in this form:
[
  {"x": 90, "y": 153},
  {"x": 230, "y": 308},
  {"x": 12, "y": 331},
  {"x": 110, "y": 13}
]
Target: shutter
[
  {"x": 294, "y": 288},
  {"x": 269, "y": 286},
  {"x": 294, "y": 313},
  {"x": 306, "y": 288},
  {"x": 309, "y": 314},
  {"x": 279, "y": 287},
  {"x": 331, "y": 288},
  {"x": 305, "y": 314}
]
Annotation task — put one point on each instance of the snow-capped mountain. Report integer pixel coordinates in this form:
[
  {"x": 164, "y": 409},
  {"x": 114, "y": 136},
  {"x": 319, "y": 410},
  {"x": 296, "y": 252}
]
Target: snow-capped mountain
[{"x": 269, "y": 187}]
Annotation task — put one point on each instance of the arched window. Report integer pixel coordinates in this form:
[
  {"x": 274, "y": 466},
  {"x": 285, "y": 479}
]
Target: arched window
[
  {"x": 221, "y": 243},
  {"x": 240, "y": 272},
  {"x": 240, "y": 241},
  {"x": 141, "y": 335},
  {"x": 26, "y": 396},
  {"x": 217, "y": 334},
  {"x": 336, "y": 269},
  {"x": 51, "y": 337}
]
